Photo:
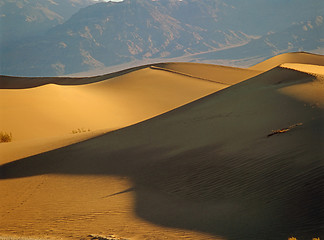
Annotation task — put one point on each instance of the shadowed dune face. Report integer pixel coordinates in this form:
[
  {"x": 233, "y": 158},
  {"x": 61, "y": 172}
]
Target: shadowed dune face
[{"x": 207, "y": 166}]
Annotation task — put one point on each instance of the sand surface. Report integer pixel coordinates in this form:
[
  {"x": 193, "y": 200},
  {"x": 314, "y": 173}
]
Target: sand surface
[
  {"x": 205, "y": 170},
  {"x": 51, "y": 111}
]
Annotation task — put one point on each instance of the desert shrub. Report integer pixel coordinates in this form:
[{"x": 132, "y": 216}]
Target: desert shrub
[
  {"x": 80, "y": 130},
  {"x": 5, "y": 137}
]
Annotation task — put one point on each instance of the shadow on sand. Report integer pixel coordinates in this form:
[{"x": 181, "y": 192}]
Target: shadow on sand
[{"x": 231, "y": 196}]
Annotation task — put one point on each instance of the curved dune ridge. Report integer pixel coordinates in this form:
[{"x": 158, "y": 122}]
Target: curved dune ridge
[
  {"x": 297, "y": 57},
  {"x": 244, "y": 162}
]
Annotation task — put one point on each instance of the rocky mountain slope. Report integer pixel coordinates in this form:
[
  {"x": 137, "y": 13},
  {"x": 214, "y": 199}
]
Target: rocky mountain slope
[
  {"x": 303, "y": 36},
  {"x": 25, "y": 18}
]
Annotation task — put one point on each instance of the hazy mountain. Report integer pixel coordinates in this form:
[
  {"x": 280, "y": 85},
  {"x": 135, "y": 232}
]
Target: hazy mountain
[
  {"x": 106, "y": 34},
  {"x": 25, "y": 18},
  {"x": 304, "y": 36}
]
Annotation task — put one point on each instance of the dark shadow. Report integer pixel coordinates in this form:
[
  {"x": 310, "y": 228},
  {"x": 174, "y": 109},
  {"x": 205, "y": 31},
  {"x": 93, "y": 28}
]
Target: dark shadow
[
  {"x": 232, "y": 196},
  {"x": 118, "y": 193}
]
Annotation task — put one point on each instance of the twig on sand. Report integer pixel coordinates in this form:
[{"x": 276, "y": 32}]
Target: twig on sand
[
  {"x": 284, "y": 130},
  {"x": 100, "y": 237}
]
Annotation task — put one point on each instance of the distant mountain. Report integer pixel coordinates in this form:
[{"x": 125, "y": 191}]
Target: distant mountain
[
  {"x": 304, "y": 36},
  {"x": 25, "y": 18},
  {"x": 107, "y": 34}
]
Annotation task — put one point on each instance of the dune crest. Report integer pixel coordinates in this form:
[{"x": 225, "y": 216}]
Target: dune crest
[
  {"x": 307, "y": 68},
  {"x": 296, "y": 57}
]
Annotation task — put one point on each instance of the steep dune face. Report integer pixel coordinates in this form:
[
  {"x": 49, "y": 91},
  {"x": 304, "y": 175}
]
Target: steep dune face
[
  {"x": 210, "y": 166},
  {"x": 298, "y": 57}
]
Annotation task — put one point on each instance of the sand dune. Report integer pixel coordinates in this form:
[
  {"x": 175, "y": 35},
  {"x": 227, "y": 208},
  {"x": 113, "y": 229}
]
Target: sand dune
[
  {"x": 206, "y": 170},
  {"x": 297, "y": 57},
  {"x": 108, "y": 104}
]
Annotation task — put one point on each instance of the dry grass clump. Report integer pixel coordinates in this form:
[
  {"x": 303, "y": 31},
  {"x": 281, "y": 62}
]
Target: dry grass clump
[
  {"x": 5, "y": 137},
  {"x": 80, "y": 130}
]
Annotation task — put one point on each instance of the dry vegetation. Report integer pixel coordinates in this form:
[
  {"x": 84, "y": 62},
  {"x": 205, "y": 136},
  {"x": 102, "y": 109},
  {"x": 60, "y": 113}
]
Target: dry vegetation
[
  {"x": 80, "y": 130},
  {"x": 284, "y": 130},
  {"x": 100, "y": 237},
  {"x": 5, "y": 137}
]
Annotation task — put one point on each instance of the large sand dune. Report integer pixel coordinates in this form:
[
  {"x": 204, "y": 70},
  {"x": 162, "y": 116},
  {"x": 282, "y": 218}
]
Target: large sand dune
[
  {"x": 245, "y": 162},
  {"x": 43, "y": 117}
]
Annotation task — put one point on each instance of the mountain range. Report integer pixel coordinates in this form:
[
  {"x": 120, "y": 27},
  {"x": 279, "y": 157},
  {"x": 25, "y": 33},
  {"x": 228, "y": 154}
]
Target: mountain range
[
  {"x": 73, "y": 36},
  {"x": 21, "y": 19}
]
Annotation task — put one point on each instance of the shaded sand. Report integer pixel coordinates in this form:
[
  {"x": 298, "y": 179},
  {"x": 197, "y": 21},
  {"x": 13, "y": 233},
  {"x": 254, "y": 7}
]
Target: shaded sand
[
  {"x": 297, "y": 57},
  {"x": 206, "y": 170}
]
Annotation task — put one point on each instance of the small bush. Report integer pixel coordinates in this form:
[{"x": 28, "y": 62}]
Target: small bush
[
  {"x": 80, "y": 130},
  {"x": 5, "y": 137}
]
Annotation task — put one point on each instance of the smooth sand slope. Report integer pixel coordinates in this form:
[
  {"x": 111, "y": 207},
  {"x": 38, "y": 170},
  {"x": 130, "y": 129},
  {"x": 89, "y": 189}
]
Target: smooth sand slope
[
  {"x": 212, "y": 169},
  {"x": 44, "y": 117}
]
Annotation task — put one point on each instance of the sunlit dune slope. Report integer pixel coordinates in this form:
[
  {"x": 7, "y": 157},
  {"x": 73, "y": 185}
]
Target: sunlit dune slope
[
  {"x": 297, "y": 57},
  {"x": 316, "y": 70},
  {"x": 107, "y": 104},
  {"x": 45, "y": 117},
  {"x": 311, "y": 92},
  {"x": 213, "y": 166}
]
